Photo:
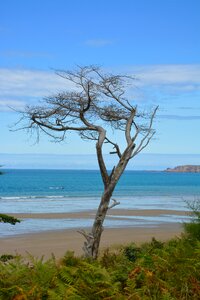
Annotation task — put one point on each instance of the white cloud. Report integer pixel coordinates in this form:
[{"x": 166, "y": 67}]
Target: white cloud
[
  {"x": 30, "y": 83},
  {"x": 18, "y": 86},
  {"x": 8, "y": 104},
  {"x": 180, "y": 77}
]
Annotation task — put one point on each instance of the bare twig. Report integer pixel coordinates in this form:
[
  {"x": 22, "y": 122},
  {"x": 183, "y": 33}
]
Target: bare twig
[{"x": 115, "y": 203}]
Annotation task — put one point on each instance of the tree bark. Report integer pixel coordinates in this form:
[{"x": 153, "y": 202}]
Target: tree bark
[{"x": 91, "y": 245}]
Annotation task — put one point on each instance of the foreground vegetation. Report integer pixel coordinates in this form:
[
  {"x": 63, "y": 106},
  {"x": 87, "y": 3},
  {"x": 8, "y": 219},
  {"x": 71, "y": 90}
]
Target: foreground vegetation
[
  {"x": 156, "y": 270},
  {"x": 153, "y": 271}
]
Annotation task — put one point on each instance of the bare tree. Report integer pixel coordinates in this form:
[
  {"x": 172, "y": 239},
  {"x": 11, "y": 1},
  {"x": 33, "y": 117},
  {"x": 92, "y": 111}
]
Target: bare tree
[{"x": 98, "y": 102}]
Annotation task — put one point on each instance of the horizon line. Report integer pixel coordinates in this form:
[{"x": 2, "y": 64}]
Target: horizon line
[{"x": 94, "y": 154}]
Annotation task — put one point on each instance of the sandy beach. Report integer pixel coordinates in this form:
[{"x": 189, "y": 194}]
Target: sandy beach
[{"x": 58, "y": 242}]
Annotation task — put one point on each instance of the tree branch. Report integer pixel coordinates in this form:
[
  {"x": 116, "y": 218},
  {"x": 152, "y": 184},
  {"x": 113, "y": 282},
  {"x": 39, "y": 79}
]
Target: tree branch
[
  {"x": 115, "y": 203},
  {"x": 148, "y": 136},
  {"x": 63, "y": 128},
  {"x": 128, "y": 127},
  {"x": 118, "y": 152},
  {"x": 87, "y": 236},
  {"x": 102, "y": 166}
]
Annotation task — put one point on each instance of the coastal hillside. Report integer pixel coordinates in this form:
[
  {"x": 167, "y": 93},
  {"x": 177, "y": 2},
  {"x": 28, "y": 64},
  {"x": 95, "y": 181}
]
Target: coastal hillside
[{"x": 184, "y": 169}]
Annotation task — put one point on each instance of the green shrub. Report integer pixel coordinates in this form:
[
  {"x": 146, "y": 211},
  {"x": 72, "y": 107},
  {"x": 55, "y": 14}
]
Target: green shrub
[
  {"x": 83, "y": 279},
  {"x": 8, "y": 219},
  {"x": 193, "y": 228},
  {"x": 155, "y": 271},
  {"x": 169, "y": 272},
  {"x": 131, "y": 252},
  {"x": 20, "y": 279},
  {"x": 6, "y": 257}
]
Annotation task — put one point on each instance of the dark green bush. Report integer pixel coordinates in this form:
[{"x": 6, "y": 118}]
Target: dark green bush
[
  {"x": 6, "y": 257},
  {"x": 8, "y": 219},
  {"x": 131, "y": 252}
]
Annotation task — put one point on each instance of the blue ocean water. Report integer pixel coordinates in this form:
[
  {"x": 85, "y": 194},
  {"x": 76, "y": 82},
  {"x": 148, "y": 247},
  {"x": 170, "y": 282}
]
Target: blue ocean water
[{"x": 56, "y": 191}]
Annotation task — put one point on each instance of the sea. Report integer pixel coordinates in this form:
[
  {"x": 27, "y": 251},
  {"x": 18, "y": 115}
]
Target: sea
[{"x": 68, "y": 191}]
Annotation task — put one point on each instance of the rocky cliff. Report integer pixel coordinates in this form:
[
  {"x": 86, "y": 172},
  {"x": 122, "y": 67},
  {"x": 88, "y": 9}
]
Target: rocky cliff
[{"x": 185, "y": 168}]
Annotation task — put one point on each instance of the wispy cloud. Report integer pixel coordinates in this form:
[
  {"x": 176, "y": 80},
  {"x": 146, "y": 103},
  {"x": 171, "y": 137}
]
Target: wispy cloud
[
  {"x": 178, "y": 117},
  {"x": 25, "y": 54},
  {"x": 98, "y": 42},
  {"x": 144, "y": 161},
  {"x": 8, "y": 104},
  {"x": 20, "y": 86},
  {"x": 23, "y": 85},
  {"x": 176, "y": 77},
  {"x": 188, "y": 108}
]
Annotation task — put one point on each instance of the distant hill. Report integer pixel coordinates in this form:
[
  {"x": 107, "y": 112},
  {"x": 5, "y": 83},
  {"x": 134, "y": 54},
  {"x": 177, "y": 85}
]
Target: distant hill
[{"x": 185, "y": 169}]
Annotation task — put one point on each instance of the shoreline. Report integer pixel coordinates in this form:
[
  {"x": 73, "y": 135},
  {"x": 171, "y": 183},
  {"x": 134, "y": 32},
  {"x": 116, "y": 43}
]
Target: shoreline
[
  {"x": 89, "y": 213},
  {"x": 59, "y": 241}
]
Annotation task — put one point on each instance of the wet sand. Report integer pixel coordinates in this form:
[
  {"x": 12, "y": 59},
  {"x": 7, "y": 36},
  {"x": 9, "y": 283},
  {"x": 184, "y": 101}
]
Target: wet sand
[
  {"x": 58, "y": 242},
  {"x": 91, "y": 213}
]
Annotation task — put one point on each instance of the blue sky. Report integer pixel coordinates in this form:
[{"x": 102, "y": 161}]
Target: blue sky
[{"x": 157, "y": 41}]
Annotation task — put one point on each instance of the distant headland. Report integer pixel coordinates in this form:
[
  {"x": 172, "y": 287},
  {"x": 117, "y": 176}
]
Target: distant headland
[{"x": 185, "y": 169}]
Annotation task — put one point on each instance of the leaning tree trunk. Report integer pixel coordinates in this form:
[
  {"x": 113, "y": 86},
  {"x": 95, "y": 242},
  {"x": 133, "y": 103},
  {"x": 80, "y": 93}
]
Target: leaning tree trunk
[{"x": 91, "y": 245}]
